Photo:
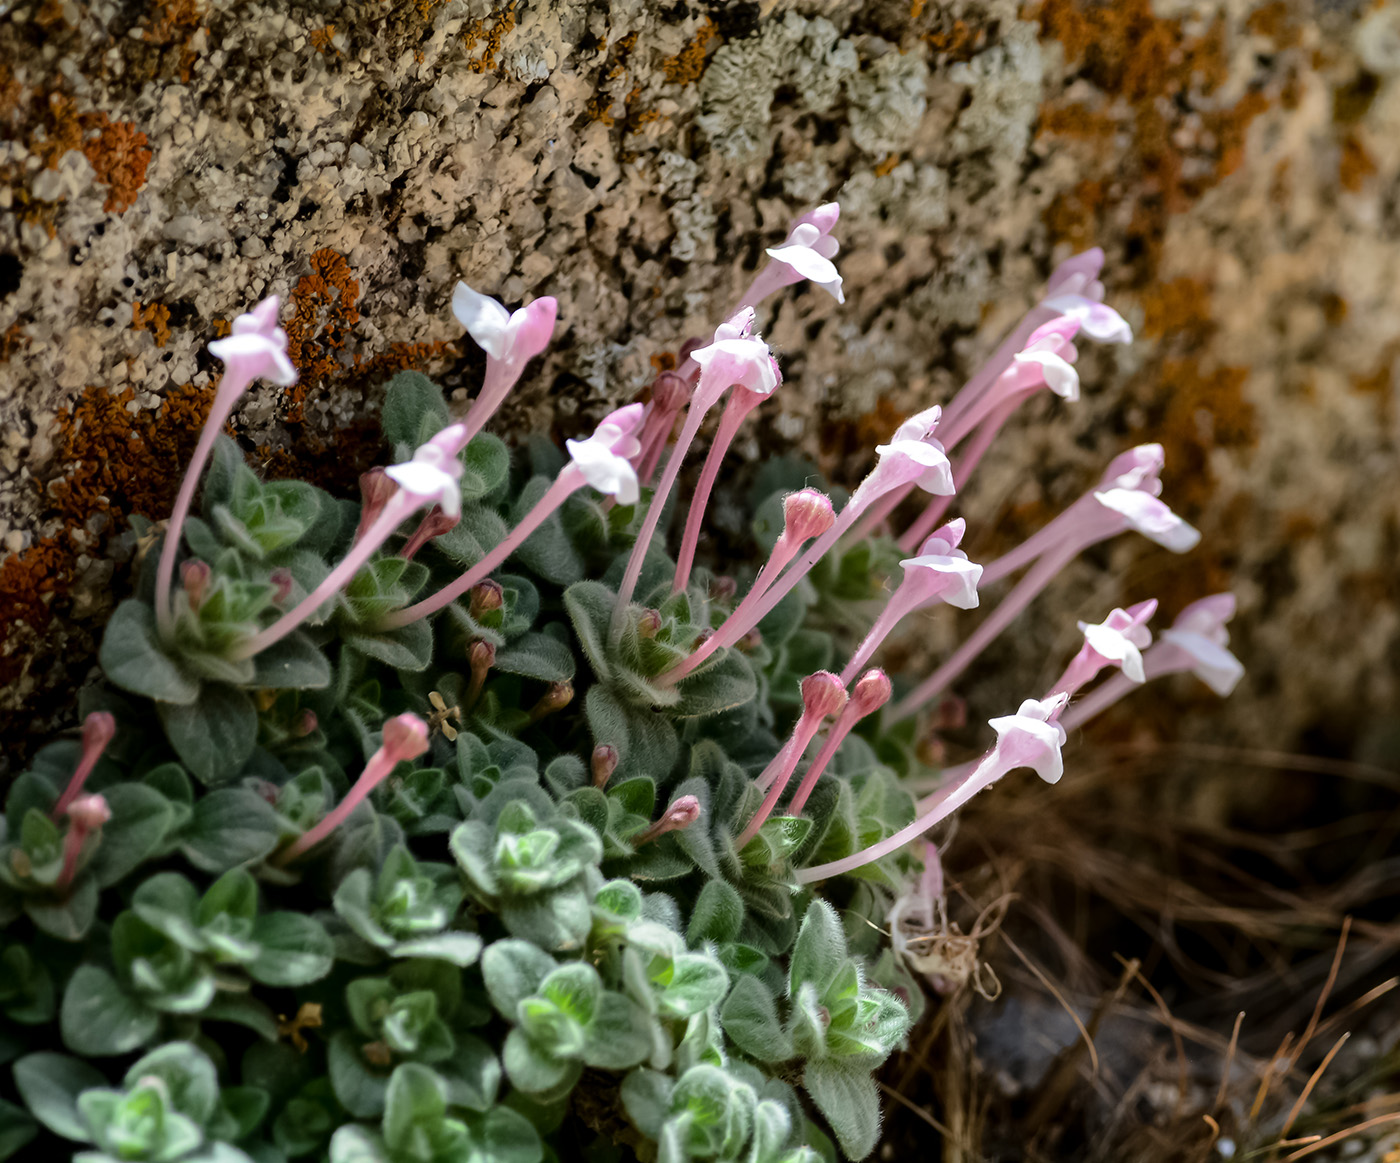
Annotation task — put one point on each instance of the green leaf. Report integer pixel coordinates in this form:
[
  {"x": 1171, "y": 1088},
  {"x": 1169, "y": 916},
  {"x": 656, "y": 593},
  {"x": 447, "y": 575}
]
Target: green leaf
[
  {"x": 189, "y": 1077},
  {"x": 537, "y": 656},
  {"x": 293, "y": 950},
  {"x": 352, "y": 1143},
  {"x": 590, "y": 605},
  {"x": 414, "y": 410},
  {"x": 513, "y": 971},
  {"x": 17, "y": 1129},
  {"x": 68, "y": 919},
  {"x": 848, "y": 1098},
  {"x": 132, "y": 658},
  {"x": 750, "y": 1019},
  {"x": 502, "y": 1135},
  {"x": 292, "y": 663},
  {"x": 621, "y": 1034},
  {"x": 473, "y": 1074},
  {"x": 213, "y": 735},
  {"x": 646, "y": 1097},
  {"x": 50, "y": 1085},
  {"x": 547, "y": 551},
  {"x": 461, "y": 949},
  {"x": 537, "y": 1070},
  {"x": 357, "y": 1088},
  {"x": 141, "y": 816},
  {"x": 717, "y": 916},
  {"x": 485, "y": 466},
  {"x": 729, "y": 683},
  {"x": 416, "y": 1098},
  {"x": 231, "y": 826},
  {"x": 100, "y": 1019},
  {"x": 406, "y": 648},
  {"x": 696, "y": 982},
  {"x": 820, "y": 950}
]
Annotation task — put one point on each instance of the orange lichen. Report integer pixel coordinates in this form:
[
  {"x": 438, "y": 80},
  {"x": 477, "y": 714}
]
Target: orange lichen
[
  {"x": 887, "y": 165},
  {"x": 119, "y": 157},
  {"x": 1198, "y": 410},
  {"x": 489, "y": 32},
  {"x": 1180, "y": 305},
  {"x": 324, "y": 314},
  {"x": 1277, "y": 21},
  {"x": 686, "y": 67},
  {"x": 15, "y": 339},
  {"x": 321, "y": 39},
  {"x": 153, "y": 317},
  {"x": 960, "y": 41},
  {"x": 1355, "y": 165}
]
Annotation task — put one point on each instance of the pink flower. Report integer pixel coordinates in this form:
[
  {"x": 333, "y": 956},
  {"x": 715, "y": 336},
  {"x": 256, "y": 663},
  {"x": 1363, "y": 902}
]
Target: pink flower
[
  {"x": 808, "y": 250},
  {"x": 943, "y": 571},
  {"x": 1197, "y": 641},
  {"x": 511, "y": 338},
  {"x": 605, "y": 458},
  {"x": 1031, "y": 738},
  {"x": 257, "y": 347},
  {"x": 734, "y": 357},
  {"x": 1074, "y": 291},
  {"x": 914, "y": 456},
  {"x": 1152, "y": 518},
  {"x": 431, "y": 476},
  {"x": 1047, "y": 359},
  {"x": 1121, "y": 637}
]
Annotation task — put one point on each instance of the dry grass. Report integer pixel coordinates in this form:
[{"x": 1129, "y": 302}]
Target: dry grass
[{"x": 1199, "y": 963}]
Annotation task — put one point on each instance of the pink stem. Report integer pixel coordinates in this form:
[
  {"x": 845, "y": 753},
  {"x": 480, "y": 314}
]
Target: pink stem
[
  {"x": 928, "y": 520},
  {"x": 1017, "y": 600},
  {"x": 399, "y": 507},
  {"x": 834, "y": 738},
  {"x": 75, "y": 785},
  {"x": 988, "y": 771},
  {"x": 876, "y": 514},
  {"x": 894, "y": 610},
  {"x": 1045, "y": 539},
  {"x": 1097, "y": 700},
  {"x": 694, "y": 417},
  {"x": 986, "y": 375},
  {"x": 779, "y": 772},
  {"x": 740, "y": 404},
  {"x": 379, "y": 765},
  {"x": 749, "y": 614},
  {"x": 231, "y": 386},
  {"x": 495, "y": 386},
  {"x": 567, "y": 482}
]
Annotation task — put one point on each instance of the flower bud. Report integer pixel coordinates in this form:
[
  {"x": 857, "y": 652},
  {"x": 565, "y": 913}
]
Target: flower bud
[
  {"x": 807, "y": 513},
  {"x": 556, "y": 698},
  {"x": 281, "y": 580},
  {"x": 194, "y": 576},
  {"x": 434, "y": 524},
  {"x": 305, "y": 724},
  {"x": 950, "y": 714},
  {"x": 749, "y": 642},
  {"x": 89, "y": 812},
  {"x": 485, "y": 596},
  {"x": 669, "y": 392},
  {"x": 604, "y": 762},
  {"x": 405, "y": 737},
  {"x": 823, "y": 695},
  {"x": 649, "y": 623},
  {"x": 481, "y": 656},
  {"x": 871, "y": 692},
  {"x": 723, "y": 588},
  {"x": 376, "y": 487},
  {"x": 681, "y": 814},
  {"x": 98, "y": 729},
  {"x": 86, "y": 815}
]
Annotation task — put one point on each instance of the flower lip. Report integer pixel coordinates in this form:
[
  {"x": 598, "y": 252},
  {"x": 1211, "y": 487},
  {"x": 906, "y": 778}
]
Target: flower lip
[
  {"x": 507, "y": 337},
  {"x": 603, "y": 461},
  {"x": 405, "y": 737},
  {"x": 1152, "y": 518},
  {"x": 433, "y": 472},
  {"x": 1032, "y": 737},
  {"x": 1121, "y": 637},
  {"x": 736, "y": 357},
  {"x": 1214, "y": 665},
  {"x": 257, "y": 345},
  {"x": 943, "y": 571},
  {"x": 1139, "y": 468}
]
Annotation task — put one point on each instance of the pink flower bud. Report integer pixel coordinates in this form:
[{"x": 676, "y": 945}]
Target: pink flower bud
[
  {"x": 305, "y": 724},
  {"x": 376, "y": 487},
  {"x": 649, "y": 623},
  {"x": 86, "y": 815},
  {"x": 807, "y": 513},
  {"x": 405, "y": 737},
  {"x": 194, "y": 576},
  {"x": 434, "y": 524},
  {"x": 871, "y": 692},
  {"x": 603, "y": 763},
  {"x": 89, "y": 812},
  {"x": 823, "y": 695},
  {"x": 556, "y": 698},
  {"x": 723, "y": 588},
  {"x": 750, "y": 641},
  {"x": 481, "y": 656},
  {"x": 669, "y": 392},
  {"x": 281, "y": 580},
  {"x": 98, "y": 729},
  {"x": 484, "y": 597},
  {"x": 681, "y": 814}
]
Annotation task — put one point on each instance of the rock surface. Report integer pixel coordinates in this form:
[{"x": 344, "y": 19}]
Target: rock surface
[{"x": 163, "y": 166}]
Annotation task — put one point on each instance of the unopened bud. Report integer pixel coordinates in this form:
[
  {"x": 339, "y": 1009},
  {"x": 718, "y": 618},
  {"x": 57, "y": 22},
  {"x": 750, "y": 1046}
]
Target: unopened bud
[
  {"x": 86, "y": 815},
  {"x": 281, "y": 580},
  {"x": 89, "y": 812},
  {"x": 823, "y": 694},
  {"x": 305, "y": 724},
  {"x": 807, "y": 513},
  {"x": 950, "y": 715},
  {"x": 194, "y": 576},
  {"x": 98, "y": 729},
  {"x": 723, "y": 588},
  {"x": 872, "y": 691},
  {"x": 376, "y": 487},
  {"x": 481, "y": 656},
  {"x": 669, "y": 392},
  {"x": 649, "y": 623},
  {"x": 434, "y": 524},
  {"x": 264, "y": 789},
  {"x": 405, "y": 737},
  {"x": 604, "y": 762},
  {"x": 749, "y": 642},
  {"x": 556, "y": 698},
  {"x": 681, "y": 814},
  {"x": 484, "y": 597}
]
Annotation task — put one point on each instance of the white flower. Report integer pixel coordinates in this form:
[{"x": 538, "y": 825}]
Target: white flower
[
  {"x": 913, "y": 456},
  {"x": 1027, "y": 739},
  {"x": 1197, "y": 641},
  {"x": 257, "y": 345},
  {"x": 431, "y": 476},
  {"x": 1150, "y": 517},
  {"x": 736, "y": 357},
  {"x": 943, "y": 571},
  {"x": 604, "y": 459},
  {"x": 1097, "y": 320},
  {"x": 511, "y": 338},
  {"x": 1121, "y": 638},
  {"x": 808, "y": 251}
]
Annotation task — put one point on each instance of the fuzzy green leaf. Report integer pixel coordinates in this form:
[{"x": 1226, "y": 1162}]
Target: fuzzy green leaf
[
  {"x": 537, "y": 656},
  {"x": 414, "y": 410},
  {"x": 750, "y": 1019},
  {"x": 293, "y": 663},
  {"x": 100, "y": 1019},
  {"x": 717, "y": 916},
  {"x": 293, "y": 949},
  {"x": 213, "y": 735},
  {"x": 50, "y": 1085},
  {"x": 231, "y": 826},
  {"x": 141, "y": 817},
  {"x": 848, "y": 1098},
  {"x": 132, "y": 658}
]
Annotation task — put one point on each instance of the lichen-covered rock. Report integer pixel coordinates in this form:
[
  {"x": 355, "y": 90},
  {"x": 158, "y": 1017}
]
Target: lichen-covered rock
[{"x": 164, "y": 165}]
